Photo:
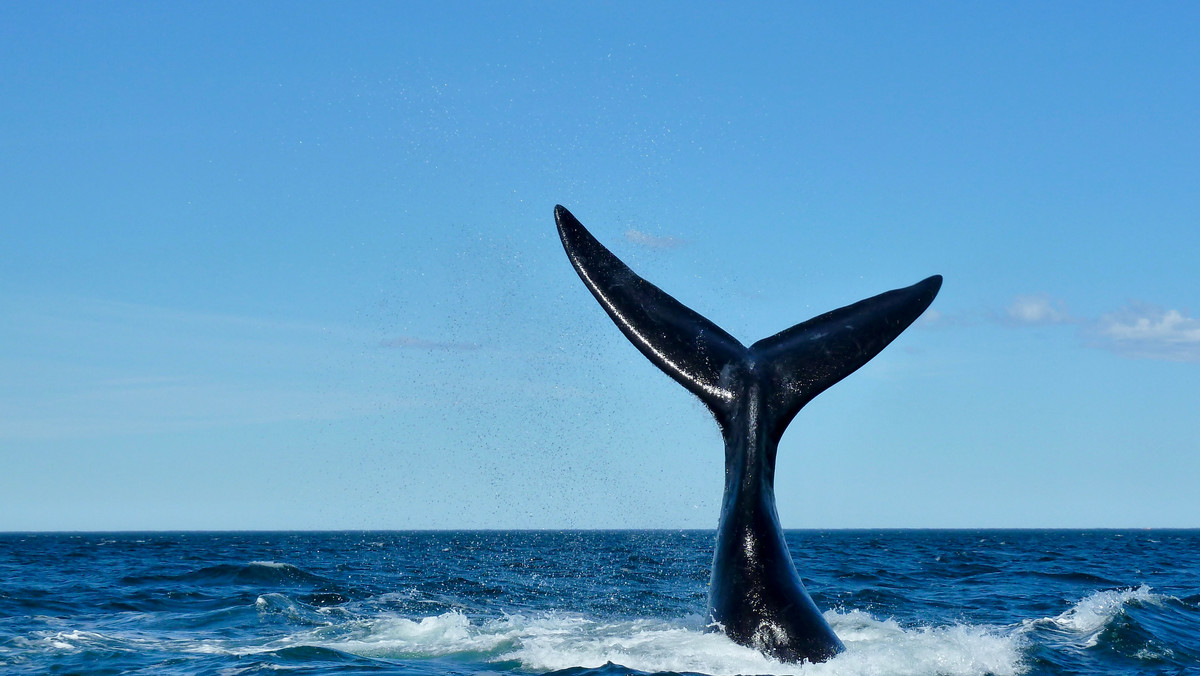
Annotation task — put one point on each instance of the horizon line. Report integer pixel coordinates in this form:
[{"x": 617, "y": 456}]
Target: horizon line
[{"x": 596, "y": 530}]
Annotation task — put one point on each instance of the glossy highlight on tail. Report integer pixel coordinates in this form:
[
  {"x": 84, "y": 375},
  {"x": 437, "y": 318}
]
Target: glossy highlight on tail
[{"x": 755, "y": 594}]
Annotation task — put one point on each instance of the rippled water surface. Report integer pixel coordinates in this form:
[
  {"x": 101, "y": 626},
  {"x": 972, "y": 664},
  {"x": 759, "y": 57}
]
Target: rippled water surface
[{"x": 601, "y": 602}]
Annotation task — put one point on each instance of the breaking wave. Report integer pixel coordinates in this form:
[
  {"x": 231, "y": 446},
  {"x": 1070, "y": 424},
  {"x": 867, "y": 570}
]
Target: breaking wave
[{"x": 561, "y": 641}]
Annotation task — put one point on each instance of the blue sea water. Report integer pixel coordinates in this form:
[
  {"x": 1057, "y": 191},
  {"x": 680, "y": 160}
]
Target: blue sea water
[{"x": 588, "y": 602}]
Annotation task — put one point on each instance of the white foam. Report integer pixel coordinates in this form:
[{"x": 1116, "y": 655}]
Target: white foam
[
  {"x": 74, "y": 640},
  {"x": 428, "y": 637},
  {"x": 884, "y": 647},
  {"x": 559, "y": 641},
  {"x": 1083, "y": 622},
  {"x": 296, "y": 612},
  {"x": 551, "y": 641}
]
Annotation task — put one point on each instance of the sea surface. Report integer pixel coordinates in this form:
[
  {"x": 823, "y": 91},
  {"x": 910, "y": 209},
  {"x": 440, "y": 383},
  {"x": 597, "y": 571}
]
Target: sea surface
[{"x": 588, "y": 602}]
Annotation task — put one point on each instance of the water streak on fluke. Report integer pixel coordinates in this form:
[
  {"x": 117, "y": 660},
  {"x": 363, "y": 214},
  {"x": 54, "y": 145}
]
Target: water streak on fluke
[{"x": 755, "y": 594}]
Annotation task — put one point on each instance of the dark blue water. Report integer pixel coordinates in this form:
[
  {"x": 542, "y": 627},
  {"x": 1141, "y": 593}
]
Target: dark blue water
[{"x": 904, "y": 602}]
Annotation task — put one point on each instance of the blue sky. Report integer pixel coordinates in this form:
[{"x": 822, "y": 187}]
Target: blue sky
[{"x": 294, "y": 266}]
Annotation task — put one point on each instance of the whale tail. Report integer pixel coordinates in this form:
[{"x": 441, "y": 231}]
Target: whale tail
[
  {"x": 756, "y": 597},
  {"x": 801, "y": 362}
]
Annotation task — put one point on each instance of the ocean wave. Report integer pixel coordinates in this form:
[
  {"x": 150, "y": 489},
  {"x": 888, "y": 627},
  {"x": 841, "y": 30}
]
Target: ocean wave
[
  {"x": 295, "y": 612},
  {"x": 69, "y": 641},
  {"x": 252, "y": 573},
  {"x": 578, "y": 643},
  {"x": 1083, "y": 623},
  {"x": 74, "y": 641},
  {"x": 561, "y": 641}
]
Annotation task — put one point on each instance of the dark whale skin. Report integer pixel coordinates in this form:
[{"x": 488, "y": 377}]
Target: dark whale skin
[{"x": 756, "y": 596}]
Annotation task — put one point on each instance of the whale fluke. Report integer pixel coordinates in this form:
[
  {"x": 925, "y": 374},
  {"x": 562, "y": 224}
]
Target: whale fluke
[
  {"x": 677, "y": 339},
  {"x": 755, "y": 594},
  {"x": 808, "y": 358}
]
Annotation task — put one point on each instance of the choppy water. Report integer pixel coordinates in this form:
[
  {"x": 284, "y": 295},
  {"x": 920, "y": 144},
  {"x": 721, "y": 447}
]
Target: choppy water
[{"x": 904, "y": 602}]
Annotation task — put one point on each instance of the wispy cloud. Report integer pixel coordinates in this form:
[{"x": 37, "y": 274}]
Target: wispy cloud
[
  {"x": 412, "y": 343},
  {"x": 1036, "y": 310},
  {"x": 935, "y": 319},
  {"x": 653, "y": 241},
  {"x": 1137, "y": 331},
  {"x": 1144, "y": 331}
]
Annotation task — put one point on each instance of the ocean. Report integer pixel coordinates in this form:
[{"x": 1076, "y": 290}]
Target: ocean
[{"x": 589, "y": 602}]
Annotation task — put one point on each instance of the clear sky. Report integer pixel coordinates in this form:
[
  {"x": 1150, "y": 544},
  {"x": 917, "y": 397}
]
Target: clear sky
[{"x": 294, "y": 265}]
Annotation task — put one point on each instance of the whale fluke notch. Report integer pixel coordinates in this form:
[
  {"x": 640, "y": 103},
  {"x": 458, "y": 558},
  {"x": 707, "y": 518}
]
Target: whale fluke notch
[
  {"x": 756, "y": 596},
  {"x": 805, "y": 359}
]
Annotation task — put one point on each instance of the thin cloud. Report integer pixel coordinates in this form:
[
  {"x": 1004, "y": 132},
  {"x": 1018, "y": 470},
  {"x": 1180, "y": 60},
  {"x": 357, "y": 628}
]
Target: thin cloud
[
  {"x": 653, "y": 241},
  {"x": 1036, "y": 310},
  {"x": 1143, "y": 331},
  {"x": 409, "y": 342},
  {"x": 935, "y": 319},
  {"x": 1137, "y": 331}
]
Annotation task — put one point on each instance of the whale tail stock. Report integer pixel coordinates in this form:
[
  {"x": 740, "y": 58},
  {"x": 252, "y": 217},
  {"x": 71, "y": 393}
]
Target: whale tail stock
[{"x": 799, "y": 363}]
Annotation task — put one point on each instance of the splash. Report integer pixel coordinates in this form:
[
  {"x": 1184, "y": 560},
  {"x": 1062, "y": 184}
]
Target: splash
[{"x": 555, "y": 641}]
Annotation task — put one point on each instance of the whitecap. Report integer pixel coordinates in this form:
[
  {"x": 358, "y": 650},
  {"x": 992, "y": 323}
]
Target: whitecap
[
  {"x": 73, "y": 640},
  {"x": 557, "y": 640},
  {"x": 273, "y": 564},
  {"x": 1083, "y": 623},
  {"x": 554, "y": 641},
  {"x": 281, "y": 604}
]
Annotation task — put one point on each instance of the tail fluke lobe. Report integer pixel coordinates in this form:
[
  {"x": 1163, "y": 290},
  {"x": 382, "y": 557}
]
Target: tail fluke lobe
[
  {"x": 805, "y": 360},
  {"x": 796, "y": 364},
  {"x": 686, "y": 346}
]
